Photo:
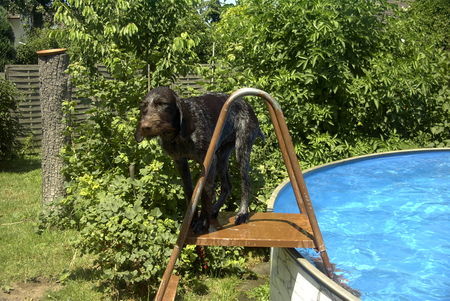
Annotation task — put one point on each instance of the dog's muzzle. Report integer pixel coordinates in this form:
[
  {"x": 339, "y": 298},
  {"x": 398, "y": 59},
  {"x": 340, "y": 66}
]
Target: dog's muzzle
[{"x": 144, "y": 130}]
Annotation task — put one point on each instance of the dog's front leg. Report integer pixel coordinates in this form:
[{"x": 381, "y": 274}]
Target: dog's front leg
[
  {"x": 208, "y": 198},
  {"x": 182, "y": 166},
  {"x": 223, "y": 157},
  {"x": 243, "y": 158}
]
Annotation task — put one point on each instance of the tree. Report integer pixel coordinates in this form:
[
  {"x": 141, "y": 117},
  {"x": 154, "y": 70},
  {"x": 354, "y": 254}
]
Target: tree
[
  {"x": 434, "y": 19},
  {"x": 405, "y": 86},
  {"x": 344, "y": 71},
  {"x": 211, "y": 10},
  {"x": 53, "y": 91},
  {"x": 39, "y": 11},
  {"x": 120, "y": 33},
  {"x": 7, "y": 51},
  {"x": 304, "y": 53}
]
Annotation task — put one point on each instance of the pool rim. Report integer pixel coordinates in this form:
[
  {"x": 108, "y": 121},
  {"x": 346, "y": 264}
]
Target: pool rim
[{"x": 305, "y": 264}]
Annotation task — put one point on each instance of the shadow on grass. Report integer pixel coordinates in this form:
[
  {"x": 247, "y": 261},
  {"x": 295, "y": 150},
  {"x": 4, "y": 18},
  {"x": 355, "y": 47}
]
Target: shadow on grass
[
  {"x": 22, "y": 165},
  {"x": 199, "y": 287},
  {"x": 87, "y": 274}
]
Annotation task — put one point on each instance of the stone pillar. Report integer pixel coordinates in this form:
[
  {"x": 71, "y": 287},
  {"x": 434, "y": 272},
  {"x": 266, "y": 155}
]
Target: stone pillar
[{"x": 53, "y": 89}]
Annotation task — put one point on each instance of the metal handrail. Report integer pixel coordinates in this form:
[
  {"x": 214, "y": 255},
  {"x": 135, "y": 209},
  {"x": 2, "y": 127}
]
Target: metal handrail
[{"x": 292, "y": 165}]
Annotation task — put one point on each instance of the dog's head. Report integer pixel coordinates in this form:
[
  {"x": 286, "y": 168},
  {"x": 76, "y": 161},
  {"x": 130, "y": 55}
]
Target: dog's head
[{"x": 161, "y": 114}]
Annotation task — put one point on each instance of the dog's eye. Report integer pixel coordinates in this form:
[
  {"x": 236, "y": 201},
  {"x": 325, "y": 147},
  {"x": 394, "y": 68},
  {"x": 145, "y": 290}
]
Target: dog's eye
[
  {"x": 160, "y": 102},
  {"x": 143, "y": 105}
]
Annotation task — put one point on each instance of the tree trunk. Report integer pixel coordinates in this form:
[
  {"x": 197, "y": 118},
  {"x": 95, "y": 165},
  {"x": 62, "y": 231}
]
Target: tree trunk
[{"x": 53, "y": 91}]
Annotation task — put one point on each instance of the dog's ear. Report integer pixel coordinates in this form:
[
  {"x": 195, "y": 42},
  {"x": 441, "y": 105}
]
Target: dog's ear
[{"x": 185, "y": 122}]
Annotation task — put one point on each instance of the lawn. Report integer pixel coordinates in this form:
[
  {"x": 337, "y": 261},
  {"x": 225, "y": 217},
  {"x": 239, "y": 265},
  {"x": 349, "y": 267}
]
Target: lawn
[
  {"x": 36, "y": 266},
  {"x": 46, "y": 267}
]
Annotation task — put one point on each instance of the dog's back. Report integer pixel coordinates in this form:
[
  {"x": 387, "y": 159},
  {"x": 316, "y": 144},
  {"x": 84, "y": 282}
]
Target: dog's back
[{"x": 204, "y": 112}]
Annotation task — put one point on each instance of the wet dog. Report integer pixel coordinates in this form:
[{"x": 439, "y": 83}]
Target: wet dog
[{"x": 185, "y": 127}]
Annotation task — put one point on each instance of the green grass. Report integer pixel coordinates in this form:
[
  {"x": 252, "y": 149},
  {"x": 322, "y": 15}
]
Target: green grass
[
  {"x": 49, "y": 258},
  {"x": 26, "y": 256},
  {"x": 220, "y": 289},
  {"x": 227, "y": 288}
]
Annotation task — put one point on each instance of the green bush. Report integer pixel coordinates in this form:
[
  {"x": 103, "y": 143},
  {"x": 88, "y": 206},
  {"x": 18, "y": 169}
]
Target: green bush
[
  {"x": 261, "y": 293},
  {"x": 7, "y": 51},
  {"x": 347, "y": 81},
  {"x": 344, "y": 72},
  {"x": 405, "y": 89},
  {"x": 36, "y": 39},
  {"x": 9, "y": 122},
  {"x": 132, "y": 242}
]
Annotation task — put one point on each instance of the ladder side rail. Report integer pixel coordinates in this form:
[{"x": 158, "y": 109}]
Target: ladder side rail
[
  {"x": 289, "y": 158},
  {"x": 181, "y": 237},
  {"x": 298, "y": 180},
  {"x": 296, "y": 175},
  {"x": 286, "y": 160},
  {"x": 294, "y": 170}
]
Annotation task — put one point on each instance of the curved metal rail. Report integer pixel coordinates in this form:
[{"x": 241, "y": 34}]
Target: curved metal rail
[{"x": 292, "y": 165}]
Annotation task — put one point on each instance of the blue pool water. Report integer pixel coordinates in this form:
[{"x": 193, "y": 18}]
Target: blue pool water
[{"x": 386, "y": 222}]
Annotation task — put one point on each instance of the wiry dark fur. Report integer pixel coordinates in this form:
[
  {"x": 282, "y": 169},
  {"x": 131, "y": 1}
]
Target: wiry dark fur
[{"x": 185, "y": 127}]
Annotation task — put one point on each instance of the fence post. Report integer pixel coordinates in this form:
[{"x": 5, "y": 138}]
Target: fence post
[{"x": 53, "y": 89}]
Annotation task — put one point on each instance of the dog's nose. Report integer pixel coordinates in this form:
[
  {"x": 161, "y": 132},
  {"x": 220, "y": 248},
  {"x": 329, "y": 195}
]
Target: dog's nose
[{"x": 146, "y": 127}]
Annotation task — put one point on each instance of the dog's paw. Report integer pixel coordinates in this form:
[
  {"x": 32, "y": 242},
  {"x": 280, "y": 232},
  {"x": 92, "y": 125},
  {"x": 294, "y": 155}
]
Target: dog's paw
[
  {"x": 200, "y": 225},
  {"x": 212, "y": 228},
  {"x": 241, "y": 218}
]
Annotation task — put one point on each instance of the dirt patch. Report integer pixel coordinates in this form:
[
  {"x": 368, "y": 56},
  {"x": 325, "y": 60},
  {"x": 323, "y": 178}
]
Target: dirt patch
[{"x": 28, "y": 291}]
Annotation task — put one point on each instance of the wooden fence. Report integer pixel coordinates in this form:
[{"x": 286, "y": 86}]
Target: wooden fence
[{"x": 26, "y": 79}]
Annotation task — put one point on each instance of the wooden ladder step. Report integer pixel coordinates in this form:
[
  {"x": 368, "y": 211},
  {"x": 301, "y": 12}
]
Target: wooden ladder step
[
  {"x": 264, "y": 229},
  {"x": 171, "y": 290}
]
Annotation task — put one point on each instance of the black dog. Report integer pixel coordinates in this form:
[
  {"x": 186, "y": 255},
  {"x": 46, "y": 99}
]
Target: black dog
[{"x": 185, "y": 127}]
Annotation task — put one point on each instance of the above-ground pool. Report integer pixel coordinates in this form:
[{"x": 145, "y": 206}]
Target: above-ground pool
[{"x": 385, "y": 220}]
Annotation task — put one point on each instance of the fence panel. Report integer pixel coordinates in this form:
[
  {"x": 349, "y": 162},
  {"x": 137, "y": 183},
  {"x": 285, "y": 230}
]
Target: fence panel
[
  {"x": 26, "y": 79},
  {"x": 189, "y": 85}
]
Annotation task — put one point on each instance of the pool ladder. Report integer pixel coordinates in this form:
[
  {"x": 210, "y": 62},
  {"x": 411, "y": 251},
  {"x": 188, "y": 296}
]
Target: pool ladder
[{"x": 266, "y": 229}]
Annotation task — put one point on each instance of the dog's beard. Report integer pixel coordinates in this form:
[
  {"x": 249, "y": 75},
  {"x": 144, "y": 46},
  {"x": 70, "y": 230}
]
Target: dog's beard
[{"x": 161, "y": 129}]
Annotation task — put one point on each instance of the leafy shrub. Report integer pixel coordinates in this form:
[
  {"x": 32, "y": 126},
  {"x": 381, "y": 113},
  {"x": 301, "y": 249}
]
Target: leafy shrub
[
  {"x": 36, "y": 39},
  {"x": 303, "y": 53},
  {"x": 346, "y": 79},
  {"x": 341, "y": 71},
  {"x": 405, "y": 89},
  {"x": 261, "y": 292},
  {"x": 9, "y": 123},
  {"x": 131, "y": 241},
  {"x": 7, "y": 51},
  {"x": 434, "y": 19}
]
